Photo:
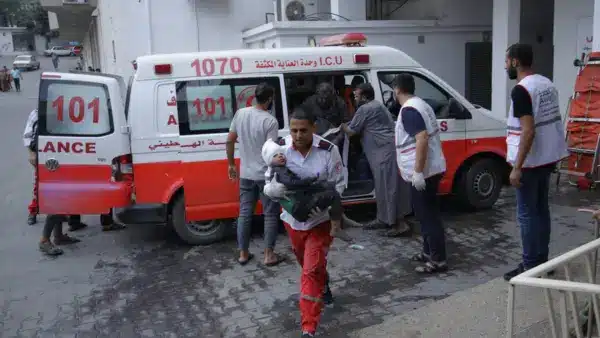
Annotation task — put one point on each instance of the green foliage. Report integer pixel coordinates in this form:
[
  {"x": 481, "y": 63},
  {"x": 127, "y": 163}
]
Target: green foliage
[{"x": 24, "y": 13}]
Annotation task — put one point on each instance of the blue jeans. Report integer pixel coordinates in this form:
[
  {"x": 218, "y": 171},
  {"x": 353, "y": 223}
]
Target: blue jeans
[
  {"x": 250, "y": 192},
  {"x": 533, "y": 214}
]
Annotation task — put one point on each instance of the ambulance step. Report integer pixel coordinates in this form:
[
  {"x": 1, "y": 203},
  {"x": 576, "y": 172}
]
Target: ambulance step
[
  {"x": 573, "y": 173},
  {"x": 583, "y": 119},
  {"x": 581, "y": 151}
]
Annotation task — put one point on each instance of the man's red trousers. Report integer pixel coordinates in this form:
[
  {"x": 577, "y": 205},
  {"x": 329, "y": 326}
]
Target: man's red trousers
[
  {"x": 311, "y": 248},
  {"x": 33, "y": 206}
]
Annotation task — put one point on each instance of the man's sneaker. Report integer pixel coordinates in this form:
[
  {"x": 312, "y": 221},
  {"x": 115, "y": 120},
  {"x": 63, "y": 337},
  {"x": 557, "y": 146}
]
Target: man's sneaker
[
  {"x": 31, "y": 219},
  {"x": 513, "y": 273},
  {"x": 65, "y": 240},
  {"x": 307, "y": 334},
  {"x": 49, "y": 249},
  {"x": 327, "y": 296}
]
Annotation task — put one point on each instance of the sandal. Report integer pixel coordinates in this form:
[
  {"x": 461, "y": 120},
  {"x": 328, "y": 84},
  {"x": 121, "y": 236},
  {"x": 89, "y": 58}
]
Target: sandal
[
  {"x": 393, "y": 233},
  {"x": 431, "y": 267},
  {"x": 49, "y": 249},
  {"x": 244, "y": 262},
  {"x": 420, "y": 257},
  {"x": 113, "y": 227},
  {"x": 279, "y": 259}
]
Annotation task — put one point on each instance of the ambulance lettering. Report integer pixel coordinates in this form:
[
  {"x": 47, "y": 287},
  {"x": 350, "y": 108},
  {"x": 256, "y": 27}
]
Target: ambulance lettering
[
  {"x": 444, "y": 126},
  {"x": 70, "y": 147},
  {"x": 217, "y": 66},
  {"x": 172, "y": 120},
  {"x": 331, "y": 60}
]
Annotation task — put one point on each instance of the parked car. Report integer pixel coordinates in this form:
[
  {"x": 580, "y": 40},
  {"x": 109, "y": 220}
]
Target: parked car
[
  {"x": 28, "y": 62},
  {"x": 58, "y": 50}
]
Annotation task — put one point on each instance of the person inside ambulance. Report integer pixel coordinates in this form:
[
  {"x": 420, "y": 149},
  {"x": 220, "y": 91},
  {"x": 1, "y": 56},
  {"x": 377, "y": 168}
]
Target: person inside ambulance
[
  {"x": 309, "y": 155},
  {"x": 327, "y": 106},
  {"x": 535, "y": 143},
  {"x": 422, "y": 164},
  {"x": 373, "y": 122}
]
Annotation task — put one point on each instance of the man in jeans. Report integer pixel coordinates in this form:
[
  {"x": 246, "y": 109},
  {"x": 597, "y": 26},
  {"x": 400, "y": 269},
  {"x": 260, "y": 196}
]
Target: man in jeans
[
  {"x": 253, "y": 126},
  {"x": 535, "y": 143}
]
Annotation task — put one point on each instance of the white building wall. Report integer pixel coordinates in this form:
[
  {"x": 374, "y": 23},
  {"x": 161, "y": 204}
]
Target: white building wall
[
  {"x": 449, "y": 12},
  {"x": 6, "y": 42},
  {"x": 572, "y": 24}
]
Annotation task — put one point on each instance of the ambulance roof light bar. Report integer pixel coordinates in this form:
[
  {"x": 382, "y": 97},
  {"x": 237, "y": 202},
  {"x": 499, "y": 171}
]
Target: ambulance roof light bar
[{"x": 347, "y": 40}]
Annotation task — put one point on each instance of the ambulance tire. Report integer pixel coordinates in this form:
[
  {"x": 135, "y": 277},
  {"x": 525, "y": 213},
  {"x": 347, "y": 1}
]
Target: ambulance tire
[
  {"x": 479, "y": 185},
  {"x": 202, "y": 234}
]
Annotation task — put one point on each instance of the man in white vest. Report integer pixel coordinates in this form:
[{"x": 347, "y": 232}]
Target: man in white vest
[
  {"x": 421, "y": 163},
  {"x": 535, "y": 143}
]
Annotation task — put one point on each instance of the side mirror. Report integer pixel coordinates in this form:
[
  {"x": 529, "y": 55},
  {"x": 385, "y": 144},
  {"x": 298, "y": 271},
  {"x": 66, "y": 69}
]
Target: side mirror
[{"x": 457, "y": 110}]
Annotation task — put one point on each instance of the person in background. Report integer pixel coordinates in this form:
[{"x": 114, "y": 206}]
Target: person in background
[
  {"x": 5, "y": 80},
  {"x": 16, "y": 75},
  {"x": 535, "y": 143},
  {"x": 373, "y": 122},
  {"x": 253, "y": 126},
  {"x": 55, "y": 61},
  {"x": 308, "y": 155},
  {"x": 422, "y": 163}
]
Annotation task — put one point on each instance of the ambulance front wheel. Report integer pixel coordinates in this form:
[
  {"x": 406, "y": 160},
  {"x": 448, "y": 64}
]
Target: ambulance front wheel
[
  {"x": 197, "y": 233},
  {"x": 478, "y": 185}
]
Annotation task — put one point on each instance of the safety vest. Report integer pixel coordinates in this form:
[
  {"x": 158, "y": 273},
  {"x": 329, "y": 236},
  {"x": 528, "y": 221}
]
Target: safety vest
[
  {"x": 549, "y": 145},
  {"x": 406, "y": 145}
]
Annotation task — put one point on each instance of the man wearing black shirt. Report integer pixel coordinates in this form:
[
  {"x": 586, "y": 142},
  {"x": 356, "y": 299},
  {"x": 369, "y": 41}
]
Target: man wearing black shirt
[{"x": 535, "y": 143}]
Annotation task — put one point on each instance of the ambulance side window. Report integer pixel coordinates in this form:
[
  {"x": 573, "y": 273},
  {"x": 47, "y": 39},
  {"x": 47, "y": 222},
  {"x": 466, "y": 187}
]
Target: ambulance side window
[
  {"x": 208, "y": 106},
  {"x": 72, "y": 108},
  {"x": 431, "y": 93}
]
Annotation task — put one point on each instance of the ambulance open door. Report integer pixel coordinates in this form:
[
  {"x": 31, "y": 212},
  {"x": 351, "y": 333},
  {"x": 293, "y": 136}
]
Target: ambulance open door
[{"x": 84, "y": 155}]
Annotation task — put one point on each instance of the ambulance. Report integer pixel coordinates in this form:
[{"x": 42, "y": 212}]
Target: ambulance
[{"x": 154, "y": 149}]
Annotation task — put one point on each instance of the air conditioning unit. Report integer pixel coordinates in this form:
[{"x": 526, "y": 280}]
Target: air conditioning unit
[{"x": 295, "y": 10}]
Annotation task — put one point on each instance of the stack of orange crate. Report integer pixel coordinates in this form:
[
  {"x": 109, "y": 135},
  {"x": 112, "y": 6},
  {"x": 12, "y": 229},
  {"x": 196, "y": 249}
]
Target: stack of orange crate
[{"x": 583, "y": 123}]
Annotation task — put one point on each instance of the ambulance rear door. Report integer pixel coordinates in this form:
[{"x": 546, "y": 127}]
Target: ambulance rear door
[{"x": 84, "y": 153}]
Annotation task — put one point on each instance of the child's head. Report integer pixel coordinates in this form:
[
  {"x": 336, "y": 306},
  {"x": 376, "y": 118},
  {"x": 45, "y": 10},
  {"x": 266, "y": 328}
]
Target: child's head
[
  {"x": 278, "y": 159},
  {"x": 273, "y": 153}
]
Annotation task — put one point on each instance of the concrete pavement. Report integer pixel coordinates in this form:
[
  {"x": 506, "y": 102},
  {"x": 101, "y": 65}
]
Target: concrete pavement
[
  {"x": 144, "y": 283},
  {"x": 481, "y": 312}
]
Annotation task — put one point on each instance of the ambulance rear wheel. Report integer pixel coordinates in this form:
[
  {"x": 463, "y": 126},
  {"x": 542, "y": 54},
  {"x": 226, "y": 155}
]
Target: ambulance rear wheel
[
  {"x": 480, "y": 184},
  {"x": 197, "y": 233}
]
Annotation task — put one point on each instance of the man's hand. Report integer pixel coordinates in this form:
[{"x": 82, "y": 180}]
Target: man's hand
[
  {"x": 32, "y": 158},
  {"x": 418, "y": 181},
  {"x": 596, "y": 214},
  {"x": 515, "y": 177},
  {"x": 232, "y": 173}
]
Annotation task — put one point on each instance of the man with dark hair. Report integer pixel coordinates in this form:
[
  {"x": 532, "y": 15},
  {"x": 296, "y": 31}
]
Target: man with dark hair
[
  {"x": 373, "y": 122},
  {"x": 253, "y": 126},
  {"x": 422, "y": 163},
  {"x": 328, "y": 108},
  {"x": 535, "y": 143},
  {"x": 309, "y": 155}
]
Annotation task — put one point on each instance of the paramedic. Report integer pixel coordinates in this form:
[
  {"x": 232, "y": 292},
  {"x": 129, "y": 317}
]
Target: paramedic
[
  {"x": 253, "y": 126},
  {"x": 535, "y": 143},
  {"x": 308, "y": 156},
  {"x": 373, "y": 122},
  {"x": 422, "y": 163}
]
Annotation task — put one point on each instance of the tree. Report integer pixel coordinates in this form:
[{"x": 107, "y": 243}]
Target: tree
[{"x": 24, "y": 13}]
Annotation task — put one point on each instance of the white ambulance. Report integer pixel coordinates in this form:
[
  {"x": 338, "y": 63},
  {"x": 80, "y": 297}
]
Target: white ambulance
[{"x": 155, "y": 149}]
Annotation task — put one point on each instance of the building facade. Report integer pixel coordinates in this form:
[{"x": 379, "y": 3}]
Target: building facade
[{"x": 462, "y": 41}]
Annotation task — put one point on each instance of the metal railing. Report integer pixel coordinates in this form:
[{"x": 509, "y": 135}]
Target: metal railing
[{"x": 538, "y": 278}]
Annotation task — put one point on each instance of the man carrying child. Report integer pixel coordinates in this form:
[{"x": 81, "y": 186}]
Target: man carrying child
[{"x": 310, "y": 157}]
